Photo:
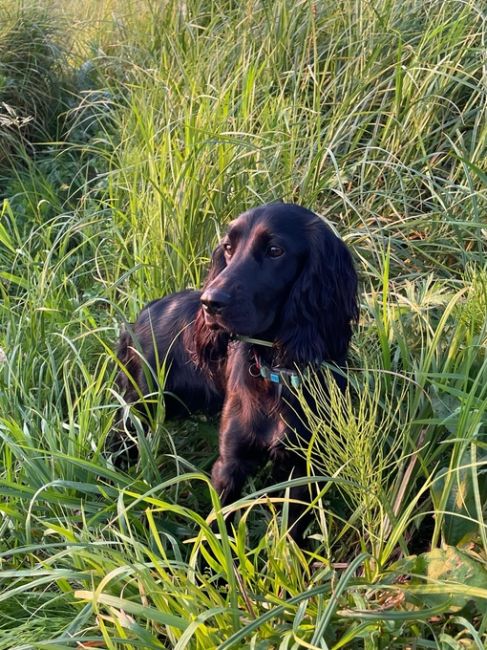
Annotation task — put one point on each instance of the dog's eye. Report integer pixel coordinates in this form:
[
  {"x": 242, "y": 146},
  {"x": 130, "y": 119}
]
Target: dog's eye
[
  {"x": 228, "y": 248},
  {"x": 274, "y": 251}
]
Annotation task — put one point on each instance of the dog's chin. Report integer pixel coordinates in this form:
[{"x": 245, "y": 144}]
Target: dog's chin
[
  {"x": 213, "y": 324},
  {"x": 219, "y": 323},
  {"x": 257, "y": 331}
]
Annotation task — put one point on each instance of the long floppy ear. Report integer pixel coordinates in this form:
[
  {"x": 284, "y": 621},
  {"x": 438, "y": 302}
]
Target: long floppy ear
[
  {"x": 316, "y": 320},
  {"x": 209, "y": 347}
]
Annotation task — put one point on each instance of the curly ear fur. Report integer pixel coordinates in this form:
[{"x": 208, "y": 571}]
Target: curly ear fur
[
  {"x": 316, "y": 320},
  {"x": 209, "y": 347},
  {"x": 126, "y": 355}
]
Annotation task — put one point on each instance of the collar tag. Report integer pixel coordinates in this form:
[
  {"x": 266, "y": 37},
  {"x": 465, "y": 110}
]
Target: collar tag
[
  {"x": 264, "y": 372},
  {"x": 295, "y": 381},
  {"x": 278, "y": 376},
  {"x": 275, "y": 375}
]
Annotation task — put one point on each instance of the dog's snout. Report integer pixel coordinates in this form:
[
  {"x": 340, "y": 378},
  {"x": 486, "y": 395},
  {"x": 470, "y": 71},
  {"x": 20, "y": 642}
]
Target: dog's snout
[{"x": 214, "y": 301}]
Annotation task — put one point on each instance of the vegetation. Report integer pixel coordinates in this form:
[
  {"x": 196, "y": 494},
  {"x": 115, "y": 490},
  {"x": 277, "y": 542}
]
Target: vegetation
[{"x": 127, "y": 141}]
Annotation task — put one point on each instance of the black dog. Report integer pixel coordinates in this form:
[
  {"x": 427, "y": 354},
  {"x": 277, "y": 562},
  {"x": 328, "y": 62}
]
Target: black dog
[{"x": 281, "y": 278}]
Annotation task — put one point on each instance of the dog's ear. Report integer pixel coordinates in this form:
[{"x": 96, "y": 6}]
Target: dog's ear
[
  {"x": 209, "y": 347},
  {"x": 316, "y": 321},
  {"x": 126, "y": 357},
  {"x": 218, "y": 263}
]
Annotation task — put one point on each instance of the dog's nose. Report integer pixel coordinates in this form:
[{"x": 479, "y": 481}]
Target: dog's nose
[{"x": 215, "y": 300}]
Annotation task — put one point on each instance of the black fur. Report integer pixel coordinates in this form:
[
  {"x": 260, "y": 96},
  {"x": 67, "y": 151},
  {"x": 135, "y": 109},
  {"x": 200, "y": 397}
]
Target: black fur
[{"x": 282, "y": 275}]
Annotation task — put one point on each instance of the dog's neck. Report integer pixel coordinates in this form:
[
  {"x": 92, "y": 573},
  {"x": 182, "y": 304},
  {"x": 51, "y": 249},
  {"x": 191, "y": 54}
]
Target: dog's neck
[{"x": 265, "y": 361}]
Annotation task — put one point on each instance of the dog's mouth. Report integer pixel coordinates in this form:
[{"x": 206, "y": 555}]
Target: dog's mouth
[
  {"x": 213, "y": 323},
  {"x": 215, "y": 327},
  {"x": 239, "y": 320},
  {"x": 216, "y": 323}
]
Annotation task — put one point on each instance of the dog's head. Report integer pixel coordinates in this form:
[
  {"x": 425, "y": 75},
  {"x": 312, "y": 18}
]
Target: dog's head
[{"x": 281, "y": 274}]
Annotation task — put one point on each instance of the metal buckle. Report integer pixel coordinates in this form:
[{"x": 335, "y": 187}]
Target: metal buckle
[{"x": 254, "y": 370}]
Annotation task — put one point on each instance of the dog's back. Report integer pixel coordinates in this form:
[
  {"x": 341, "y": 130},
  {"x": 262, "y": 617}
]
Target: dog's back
[{"x": 159, "y": 346}]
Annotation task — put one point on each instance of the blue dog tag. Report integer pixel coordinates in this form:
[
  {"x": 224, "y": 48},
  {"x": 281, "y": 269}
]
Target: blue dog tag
[{"x": 295, "y": 381}]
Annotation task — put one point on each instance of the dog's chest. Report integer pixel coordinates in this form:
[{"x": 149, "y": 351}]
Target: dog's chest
[
  {"x": 266, "y": 423},
  {"x": 257, "y": 404}
]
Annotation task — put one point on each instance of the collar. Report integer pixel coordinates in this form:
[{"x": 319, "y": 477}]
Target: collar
[{"x": 273, "y": 374}]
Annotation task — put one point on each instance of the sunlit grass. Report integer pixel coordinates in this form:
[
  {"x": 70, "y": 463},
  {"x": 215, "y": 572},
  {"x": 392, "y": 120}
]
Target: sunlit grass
[{"x": 171, "y": 118}]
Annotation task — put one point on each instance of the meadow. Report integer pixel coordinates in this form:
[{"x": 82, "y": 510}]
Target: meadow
[{"x": 130, "y": 134}]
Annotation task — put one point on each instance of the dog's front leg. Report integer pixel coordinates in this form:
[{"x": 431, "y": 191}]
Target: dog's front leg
[
  {"x": 238, "y": 459},
  {"x": 238, "y": 456}
]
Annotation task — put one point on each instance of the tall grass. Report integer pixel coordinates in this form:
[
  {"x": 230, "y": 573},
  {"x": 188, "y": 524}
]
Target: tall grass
[{"x": 147, "y": 127}]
